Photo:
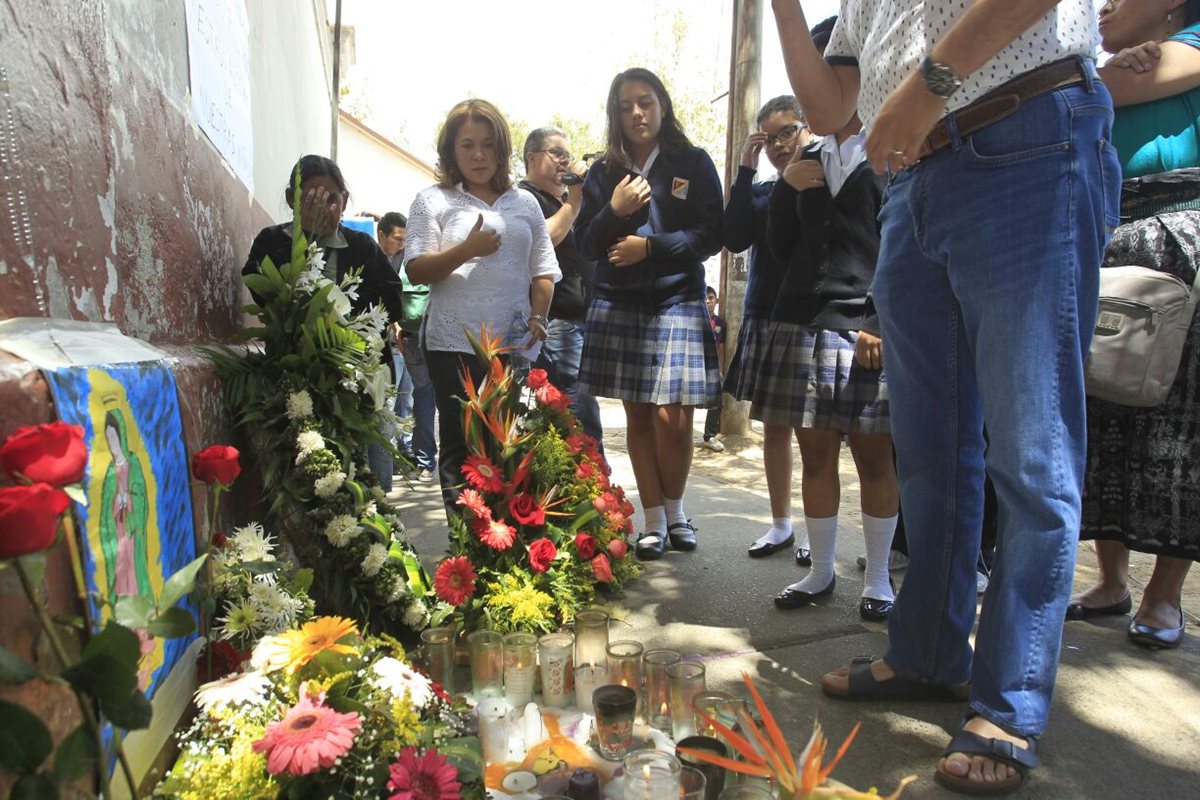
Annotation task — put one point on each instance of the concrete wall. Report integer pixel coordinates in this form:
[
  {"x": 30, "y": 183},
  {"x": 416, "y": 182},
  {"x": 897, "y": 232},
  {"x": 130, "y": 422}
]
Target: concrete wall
[{"x": 133, "y": 217}]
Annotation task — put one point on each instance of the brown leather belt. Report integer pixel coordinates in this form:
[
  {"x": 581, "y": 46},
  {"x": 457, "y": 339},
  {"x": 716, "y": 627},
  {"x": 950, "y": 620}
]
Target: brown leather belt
[{"x": 1004, "y": 100}]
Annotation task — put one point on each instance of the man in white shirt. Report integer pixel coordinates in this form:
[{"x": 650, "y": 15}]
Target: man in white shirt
[{"x": 991, "y": 118}]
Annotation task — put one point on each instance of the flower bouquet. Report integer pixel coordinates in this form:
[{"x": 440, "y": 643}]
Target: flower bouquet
[
  {"x": 325, "y": 712},
  {"x": 312, "y": 393},
  {"x": 541, "y": 526}
]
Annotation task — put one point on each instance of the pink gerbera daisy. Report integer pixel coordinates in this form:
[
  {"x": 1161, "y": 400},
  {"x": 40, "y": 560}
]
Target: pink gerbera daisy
[
  {"x": 481, "y": 473},
  {"x": 473, "y": 502},
  {"x": 428, "y": 777},
  {"x": 454, "y": 580},
  {"x": 310, "y": 737},
  {"x": 496, "y": 533}
]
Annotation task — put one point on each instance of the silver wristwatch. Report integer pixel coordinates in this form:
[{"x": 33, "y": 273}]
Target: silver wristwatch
[{"x": 940, "y": 79}]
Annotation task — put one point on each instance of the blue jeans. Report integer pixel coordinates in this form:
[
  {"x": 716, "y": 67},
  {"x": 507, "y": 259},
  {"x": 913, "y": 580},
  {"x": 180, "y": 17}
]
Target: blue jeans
[
  {"x": 404, "y": 400},
  {"x": 421, "y": 405},
  {"x": 560, "y": 357},
  {"x": 986, "y": 288}
]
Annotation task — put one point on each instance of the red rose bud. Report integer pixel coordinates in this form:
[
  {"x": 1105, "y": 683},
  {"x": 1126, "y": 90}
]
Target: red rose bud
[
  {"x": 29, "y": 518},
  {"x": 537, "y": 379},
  {"x": 216, "y": 464},
  {"x": 585, "y": 543},
  {"x": 541, "y": 555},
  {"x": 219, "y": 539},
  {"x": 618, "y": 548},
  {"x": 53, "y": 454},
  {"x": 526, "y": 511},
  {"x": 602, "y": 569}
]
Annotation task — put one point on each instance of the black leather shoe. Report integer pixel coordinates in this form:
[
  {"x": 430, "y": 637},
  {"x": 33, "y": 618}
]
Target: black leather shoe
[
  {"x": 1157, "y": 638},
  {"x": 794, "y": 598},
  {"x": 764, "y": 549},
  {"x": 682, "y": 535},
  {"x": 804, "y": 556},
  {"x": 1077, "y": 611},
  {"x": 873, "y": 610},
  {"x": 650, "y": 546}
]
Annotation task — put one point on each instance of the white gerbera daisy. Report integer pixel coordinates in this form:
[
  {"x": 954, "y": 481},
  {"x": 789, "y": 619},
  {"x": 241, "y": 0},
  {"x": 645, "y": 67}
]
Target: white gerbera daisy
[
  {"x": 299, "y": 405},
  {"x": 341, "y": 529},
  {"x": 252, "y": 543},
  {"x": 374, "y": 560},
  {"x": 328, "y": 485},
  {"x": 233, "y": 690},
  {"x": 399, "y": 679},
  {"x": 242, "y": 619}
]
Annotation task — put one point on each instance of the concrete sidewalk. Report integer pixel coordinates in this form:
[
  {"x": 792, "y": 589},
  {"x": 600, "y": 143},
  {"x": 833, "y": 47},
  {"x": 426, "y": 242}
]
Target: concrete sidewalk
[{"x": 1125, "y": 723}]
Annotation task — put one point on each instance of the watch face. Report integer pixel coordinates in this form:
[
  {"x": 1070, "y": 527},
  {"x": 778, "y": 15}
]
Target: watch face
[{"x": 940, "y": 79}]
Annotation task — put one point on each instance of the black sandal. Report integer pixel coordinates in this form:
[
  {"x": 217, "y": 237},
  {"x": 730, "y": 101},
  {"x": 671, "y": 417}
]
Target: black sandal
[
  {"x": 1001, "y": 751},
  {"x": 864, "y": 686}
]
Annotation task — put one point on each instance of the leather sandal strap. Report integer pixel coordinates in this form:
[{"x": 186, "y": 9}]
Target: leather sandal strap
[{"x": 969, "y": 743}]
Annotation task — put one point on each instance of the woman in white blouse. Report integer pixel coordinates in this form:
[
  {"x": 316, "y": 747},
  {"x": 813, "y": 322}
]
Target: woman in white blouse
[{"x": 483, "y": 247}]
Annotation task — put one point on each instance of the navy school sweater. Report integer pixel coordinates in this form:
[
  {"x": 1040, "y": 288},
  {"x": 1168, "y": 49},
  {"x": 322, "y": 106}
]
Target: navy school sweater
[
  {"x": 683, "y": 221},
  {"x": 746, "y": 228}
]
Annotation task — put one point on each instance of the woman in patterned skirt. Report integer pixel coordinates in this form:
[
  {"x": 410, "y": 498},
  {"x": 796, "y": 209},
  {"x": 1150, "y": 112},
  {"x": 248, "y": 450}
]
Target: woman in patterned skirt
[{"x": 651, "y": 215}]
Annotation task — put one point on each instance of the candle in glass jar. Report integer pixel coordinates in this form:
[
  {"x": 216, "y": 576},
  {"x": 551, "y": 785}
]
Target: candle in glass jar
[
  {"x": 625, "y": 663},
  {"x": 520, "y": 668},
  {"x": 651, "y": 775},
  {"x": 557, "y": 665},
  {"x": 654, "y": 668},
  {"x": 591, "y": 638},
  {"x": 587, "y": 680},
  {"x": 686, "y": 680}
]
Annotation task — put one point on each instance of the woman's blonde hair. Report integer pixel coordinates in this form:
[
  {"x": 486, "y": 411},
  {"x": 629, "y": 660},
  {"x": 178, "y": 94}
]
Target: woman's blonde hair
[{"x": 478, "y": 111}]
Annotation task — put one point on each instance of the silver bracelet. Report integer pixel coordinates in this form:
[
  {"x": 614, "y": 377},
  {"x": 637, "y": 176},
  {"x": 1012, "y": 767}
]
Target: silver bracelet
[{"x": 540, "y": 320}]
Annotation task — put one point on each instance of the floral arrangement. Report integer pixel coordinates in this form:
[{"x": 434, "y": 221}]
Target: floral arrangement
[
  {"x": 542, "y": 526},
  {"x": 47, "y": 464},
  {"x": 312, "y": 394},
  {"x": 765, "y": 753},
  {"x": 326, "y": 712}
]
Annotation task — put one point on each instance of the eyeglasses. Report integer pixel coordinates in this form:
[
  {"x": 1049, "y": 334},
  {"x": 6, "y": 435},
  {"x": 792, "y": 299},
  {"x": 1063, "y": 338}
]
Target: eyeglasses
[
  {"x": 557, "y": 153},
  {"x": 785, "y": 135}
]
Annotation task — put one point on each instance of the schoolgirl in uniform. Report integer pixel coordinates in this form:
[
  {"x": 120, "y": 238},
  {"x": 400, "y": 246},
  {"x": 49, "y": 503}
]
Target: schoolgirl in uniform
[{"x": 652, "y": 213}]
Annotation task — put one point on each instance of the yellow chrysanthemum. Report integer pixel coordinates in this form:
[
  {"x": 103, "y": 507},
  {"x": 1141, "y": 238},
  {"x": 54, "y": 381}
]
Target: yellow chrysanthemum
[{"x": 292, "y": 649}]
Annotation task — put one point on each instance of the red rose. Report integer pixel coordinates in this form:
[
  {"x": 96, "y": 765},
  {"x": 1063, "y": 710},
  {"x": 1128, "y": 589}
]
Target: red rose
[
  {"x": 605, "y": 502},
  {"x": 53, "y": 454},
  {"x": 541, "y": 553},
  {"x": 526, "y": 511},
  {"x": 585, "y": 543},
  {"x": 585, "y": 471},
  {"x": 219, "y": 539},
  {"x": 602, "y": 569},
  {"x": 618, "y": 548},
  {"x": 29, "y": 518},
  {"x": 537, "y": 379},
  {"x": 216, "y": 464},
  {"x": 552, "y": 398}
]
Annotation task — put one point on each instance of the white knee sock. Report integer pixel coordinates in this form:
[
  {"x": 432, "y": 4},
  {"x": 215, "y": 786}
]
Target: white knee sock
[
  {"x": 878, "y": 531},
  {"x": 674, "y": 509},
  {"x": 822, "y": 537},
  {"x": 656, "y": 521},
  {"x": 780, "y": 530}
]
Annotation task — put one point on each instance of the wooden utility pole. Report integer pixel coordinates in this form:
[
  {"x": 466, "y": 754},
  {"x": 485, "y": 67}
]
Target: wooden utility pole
[{"x": 745, "y": 76}]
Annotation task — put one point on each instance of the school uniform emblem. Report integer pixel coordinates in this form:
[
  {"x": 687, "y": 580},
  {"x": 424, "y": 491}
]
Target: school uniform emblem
[{"x": 679, "y": 188}]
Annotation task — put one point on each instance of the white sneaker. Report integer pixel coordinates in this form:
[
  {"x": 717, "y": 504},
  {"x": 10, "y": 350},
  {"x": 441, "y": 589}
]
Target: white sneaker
[
  {"x": 896, "y": 560},
  {"x": 425, "y": 476},
  {"x": 714, "y": 444}
]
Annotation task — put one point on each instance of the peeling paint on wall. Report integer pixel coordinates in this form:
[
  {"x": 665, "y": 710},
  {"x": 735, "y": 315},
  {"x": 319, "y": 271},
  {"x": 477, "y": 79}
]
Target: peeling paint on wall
[
  {"x": 57, "y": 294},
  {"x": 108, "y": 208},
  {"x": 110, "y": 287}
]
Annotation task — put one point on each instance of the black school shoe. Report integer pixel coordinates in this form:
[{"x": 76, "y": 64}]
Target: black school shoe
[
  {"x": 650, "y": 546},
  {"x": 682, "y": 536}
]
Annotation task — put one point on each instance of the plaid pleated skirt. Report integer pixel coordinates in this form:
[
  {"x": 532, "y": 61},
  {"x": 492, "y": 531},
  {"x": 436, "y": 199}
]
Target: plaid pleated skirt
[
  {"x": 809, "y": 379},
  {"x": 747, "y": 359},
  {"x": 643, "y": 355}
]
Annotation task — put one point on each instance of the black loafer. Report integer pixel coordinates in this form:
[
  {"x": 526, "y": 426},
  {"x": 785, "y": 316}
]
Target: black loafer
[
  {"x": 873, "y": 610},
  {"x": 650, "y": 546},
  {"x": 1077, "y": 611},
  {"x": 682, "y": 535},
  {"x": 794, "y": 598},
  {"x": 804, "y": 556},
  {"x": 764, "y": 549},
  {"x": 1157, "y": 638}
]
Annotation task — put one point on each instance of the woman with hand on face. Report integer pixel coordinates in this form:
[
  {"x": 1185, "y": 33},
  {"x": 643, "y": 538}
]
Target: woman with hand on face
[
  {"x": 483, "y": 247},
  {"x": 651, "y": 215}
]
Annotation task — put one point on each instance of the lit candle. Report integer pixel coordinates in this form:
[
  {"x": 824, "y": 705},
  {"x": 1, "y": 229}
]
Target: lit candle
[
  {"x": 519, "y": 668},
  {"x": 651, "y": 775},
  {"x": 587, "y": 680}
]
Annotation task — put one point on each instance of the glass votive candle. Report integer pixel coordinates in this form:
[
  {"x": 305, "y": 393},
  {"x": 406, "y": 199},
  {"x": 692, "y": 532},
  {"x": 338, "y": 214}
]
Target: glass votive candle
[
  {"x": 588, "y": 679},
  {"x": 625, "y": 663},
  {"x": 556, "y": 659},
  {"x": 520, "y": 668},
  {"x": 493, "y": 729},
  {"x": 706, "y": 704},
  {"x": 591, "y": 637},
  {"x": 691, "y": 783},
  {"x": 686, "y": 680},
  {"x": 487, "y": 663},
  {"x": 439, "y": 655},
  {"x": 651, "y": 775},
  {"x": 745, "y": 791},
  {"x": 658, "y": 694},
  {"x": 714, "y": 775},
  {"x": 615, "y": 706}
]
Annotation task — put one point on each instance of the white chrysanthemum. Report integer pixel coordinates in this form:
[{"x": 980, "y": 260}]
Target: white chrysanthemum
[
  {"x": 328, "y": 485},
  {"x": 299, "y": 405},
  {"x": 277, "y": 607},
  {"x": 416, "y": 616},
  {"x": 252, "y": 543},
  {"x": 233, "y": 690},
  {"x": 341, "y": 529},
  {"x": 396, "y": 524},
  {"x": 374, "y": 561},
  {"x": 308, "y": 442},
  {"x": 242, "y": 619},
  {"x": 400, "y": 679},
  {"x": 370, "y": 510}
]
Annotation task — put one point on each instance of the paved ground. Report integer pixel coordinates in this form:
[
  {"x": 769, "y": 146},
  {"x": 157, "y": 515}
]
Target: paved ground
[{"x": 1125, "y": 723}]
